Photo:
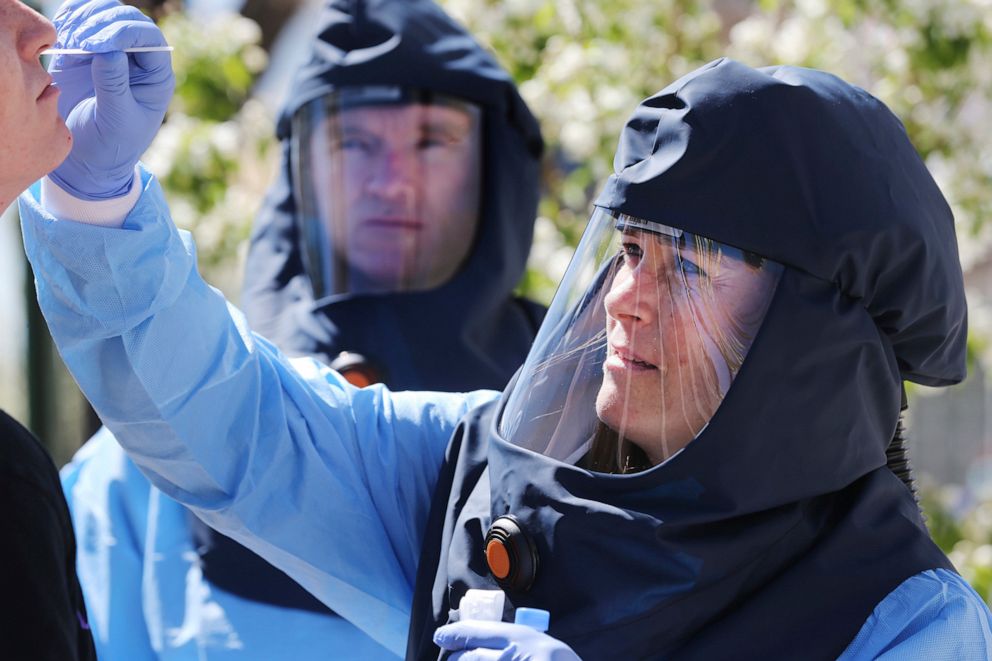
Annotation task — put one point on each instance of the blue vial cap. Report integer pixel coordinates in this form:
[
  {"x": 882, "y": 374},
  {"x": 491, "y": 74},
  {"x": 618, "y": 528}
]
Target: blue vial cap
[{"x": 535, "y": 618}]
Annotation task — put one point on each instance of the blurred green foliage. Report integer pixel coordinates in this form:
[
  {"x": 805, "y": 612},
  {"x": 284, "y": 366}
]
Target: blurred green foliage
[
  {"x": 963, "y": 531},
  {"x": 214, "y": 155},
  {"x": 583, "y": 65},
  {"x": 216, "y": 75}
]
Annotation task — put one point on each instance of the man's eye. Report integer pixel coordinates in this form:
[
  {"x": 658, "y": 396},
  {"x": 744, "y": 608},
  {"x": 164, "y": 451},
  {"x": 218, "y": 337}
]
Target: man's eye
[
  {"x": 355, "y": 144},
  {"x": 434, "y": 142}
]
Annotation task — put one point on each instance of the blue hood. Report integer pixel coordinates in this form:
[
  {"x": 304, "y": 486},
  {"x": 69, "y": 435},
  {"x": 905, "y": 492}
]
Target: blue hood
[{"x": 469, "y": 333}]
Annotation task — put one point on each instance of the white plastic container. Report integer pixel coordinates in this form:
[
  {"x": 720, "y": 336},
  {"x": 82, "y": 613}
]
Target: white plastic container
[{"x": 484, "y": 605}]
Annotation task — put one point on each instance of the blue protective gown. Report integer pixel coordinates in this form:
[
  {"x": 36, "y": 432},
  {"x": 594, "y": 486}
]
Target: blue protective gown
[
  {"x": 145, "y": 583},
  {"x": 330, "y": 483},
  {"x": 470, "y": 333}
]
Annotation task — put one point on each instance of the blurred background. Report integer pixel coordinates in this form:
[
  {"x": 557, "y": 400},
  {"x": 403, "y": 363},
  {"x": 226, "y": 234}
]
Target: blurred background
[{"x": 582, "y": 66}]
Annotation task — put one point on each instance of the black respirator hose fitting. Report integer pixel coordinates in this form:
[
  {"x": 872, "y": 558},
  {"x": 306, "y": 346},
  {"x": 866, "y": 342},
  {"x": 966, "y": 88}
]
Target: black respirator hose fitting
[{"x": 897, "y": 454}]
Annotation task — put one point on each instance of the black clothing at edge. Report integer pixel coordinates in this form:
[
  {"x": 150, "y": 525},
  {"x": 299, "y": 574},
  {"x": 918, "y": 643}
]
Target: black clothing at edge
[{"x": 44, "y": 617}]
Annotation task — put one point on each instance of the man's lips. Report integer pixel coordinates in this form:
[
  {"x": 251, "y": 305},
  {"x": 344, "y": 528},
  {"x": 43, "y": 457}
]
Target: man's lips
[
  {"x": 624, "y": 359},
  {"x": 389, "y": 222}
]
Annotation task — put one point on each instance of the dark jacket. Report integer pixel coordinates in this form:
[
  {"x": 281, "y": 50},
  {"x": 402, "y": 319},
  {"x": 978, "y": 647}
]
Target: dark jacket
[{"x": 44, "y": 616}]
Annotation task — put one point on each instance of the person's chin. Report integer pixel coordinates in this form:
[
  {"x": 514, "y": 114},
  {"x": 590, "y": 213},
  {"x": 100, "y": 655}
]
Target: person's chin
[
  {"x": 381, "y": 281},
  {"x": 61, "y": 143},
  {"x": 609, "y": 405}
]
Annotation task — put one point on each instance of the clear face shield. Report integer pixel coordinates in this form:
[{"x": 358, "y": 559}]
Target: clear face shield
[
  {"x": 644, "y": 338},
  {"x": 387, "y": 188}
]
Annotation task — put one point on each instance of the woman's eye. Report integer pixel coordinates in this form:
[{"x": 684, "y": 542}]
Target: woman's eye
[
  {"x": 690, "y": 268},
  {"x": 632, "y": 252}
]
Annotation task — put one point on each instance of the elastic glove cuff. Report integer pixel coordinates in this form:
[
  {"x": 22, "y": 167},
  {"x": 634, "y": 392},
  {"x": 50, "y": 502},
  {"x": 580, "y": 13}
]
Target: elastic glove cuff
[{"x": 108, "y": 213}]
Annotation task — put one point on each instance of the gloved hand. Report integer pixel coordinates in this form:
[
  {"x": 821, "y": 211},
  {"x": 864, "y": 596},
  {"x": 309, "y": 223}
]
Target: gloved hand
[
  {"x": 114, "y": 102},
  {"x": 475, "y": 640}
]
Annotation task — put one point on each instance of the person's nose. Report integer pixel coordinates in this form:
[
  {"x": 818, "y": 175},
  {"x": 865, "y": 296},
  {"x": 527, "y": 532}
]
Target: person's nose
[
  {"x": 629, "y": 300},
  {"x": 35, "y": 33},
  {"x": 396, "y": 177}
]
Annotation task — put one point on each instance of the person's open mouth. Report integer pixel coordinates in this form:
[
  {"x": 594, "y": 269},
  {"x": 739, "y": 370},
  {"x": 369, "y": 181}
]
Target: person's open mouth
[{"x": 48, "y": 91}]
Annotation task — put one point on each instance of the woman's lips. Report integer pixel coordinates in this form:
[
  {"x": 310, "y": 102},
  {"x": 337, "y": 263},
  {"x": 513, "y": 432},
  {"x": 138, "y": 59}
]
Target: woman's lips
[{"x": 620, "y": 359}]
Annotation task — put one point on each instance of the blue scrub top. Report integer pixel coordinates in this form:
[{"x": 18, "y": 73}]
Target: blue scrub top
[
  {"x": 329, "y": 483},
  {"x": 141, "y": 576}
]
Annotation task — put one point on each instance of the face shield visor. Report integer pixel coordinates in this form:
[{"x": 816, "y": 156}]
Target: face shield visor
[
  {"x": 644, "y": 338},
  {"x": 387, "y": 186}
]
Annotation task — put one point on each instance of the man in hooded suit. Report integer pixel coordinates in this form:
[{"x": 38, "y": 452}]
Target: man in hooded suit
[{"x": 388, "y": 247}]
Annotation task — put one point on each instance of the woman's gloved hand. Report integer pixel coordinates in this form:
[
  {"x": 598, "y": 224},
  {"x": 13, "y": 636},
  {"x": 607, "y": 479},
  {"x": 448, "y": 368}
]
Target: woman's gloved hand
[
  {"x": 113, "y": 102},
  {"x": 474, "y": 640}
]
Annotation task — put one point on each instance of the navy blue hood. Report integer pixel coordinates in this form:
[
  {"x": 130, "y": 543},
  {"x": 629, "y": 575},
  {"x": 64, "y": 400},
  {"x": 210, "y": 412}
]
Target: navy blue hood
[
  {"x": 803, "y": 168},
  {"x": 776, "y": 532},
  {"x": 817, "y": 174},
  {"x": 470, "y": 332}
]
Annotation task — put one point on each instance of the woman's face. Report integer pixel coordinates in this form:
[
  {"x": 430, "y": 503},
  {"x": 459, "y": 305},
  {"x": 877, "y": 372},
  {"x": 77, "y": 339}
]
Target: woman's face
[{"x": 680, "y": 316}]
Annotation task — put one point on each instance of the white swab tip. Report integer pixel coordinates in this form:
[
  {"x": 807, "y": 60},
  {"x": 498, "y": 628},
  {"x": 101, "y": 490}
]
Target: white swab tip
[{"x": 80, "y": 51}]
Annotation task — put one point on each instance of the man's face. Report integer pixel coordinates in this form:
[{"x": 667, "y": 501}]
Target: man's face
[
  {"x": 33, "y": 137},
  {"x": 398, "y": 187}
]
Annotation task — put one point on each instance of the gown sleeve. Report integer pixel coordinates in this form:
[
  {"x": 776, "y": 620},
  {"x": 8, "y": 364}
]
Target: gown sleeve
[
  {"x": 934, "y": 615},
  {"x": 330, "y": 483}
]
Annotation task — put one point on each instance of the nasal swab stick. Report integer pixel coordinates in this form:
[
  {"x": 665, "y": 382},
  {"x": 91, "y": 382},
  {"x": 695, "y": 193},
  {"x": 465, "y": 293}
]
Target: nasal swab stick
[{"x": 80, "y": 51}]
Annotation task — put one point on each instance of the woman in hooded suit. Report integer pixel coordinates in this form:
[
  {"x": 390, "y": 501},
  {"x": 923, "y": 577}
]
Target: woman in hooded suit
[{"x": 692, "y": 463}]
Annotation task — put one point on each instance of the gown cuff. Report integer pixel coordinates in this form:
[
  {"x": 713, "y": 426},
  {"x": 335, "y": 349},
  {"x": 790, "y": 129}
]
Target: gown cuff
[{"x": 107, "y": 213}]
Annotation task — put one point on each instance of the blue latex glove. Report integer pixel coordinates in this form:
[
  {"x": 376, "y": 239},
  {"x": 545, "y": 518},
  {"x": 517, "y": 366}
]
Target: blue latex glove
[
  {"x": 475, "y": 640},
  {"x": 113, "y": 103}
]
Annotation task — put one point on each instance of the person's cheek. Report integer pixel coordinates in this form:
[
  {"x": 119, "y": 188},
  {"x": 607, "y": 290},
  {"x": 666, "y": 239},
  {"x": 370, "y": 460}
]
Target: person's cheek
[
  {"x": 446, "y": 193},
  {"x": 354, "y": 169},
  {"x": 352, "y": 181}
]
